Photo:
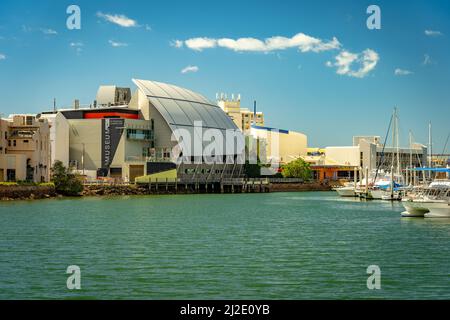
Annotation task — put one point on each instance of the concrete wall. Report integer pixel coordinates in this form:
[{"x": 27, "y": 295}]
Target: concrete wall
[
  {"x": 16, "y": 162},
  {"x": 348, "y": 156},
  {"x": 282, "y": 147}
]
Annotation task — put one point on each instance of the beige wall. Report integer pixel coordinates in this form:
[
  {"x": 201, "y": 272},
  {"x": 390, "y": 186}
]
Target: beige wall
[
  {"x": 282, "y": 147},
  {"x": 17, "y": 162},
  {"x": 345, "y": 156}
]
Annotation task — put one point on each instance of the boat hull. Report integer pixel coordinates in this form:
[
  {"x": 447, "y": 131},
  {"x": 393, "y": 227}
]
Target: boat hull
[
  {"x": 414, "y": 209},
  {"x": 376, "y": 194},
  {"x": 346, "y": 192},
  {"x": 438, "y": 210}
]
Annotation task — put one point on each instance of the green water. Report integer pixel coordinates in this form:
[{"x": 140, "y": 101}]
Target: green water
[{"x": 242, "y": 246}]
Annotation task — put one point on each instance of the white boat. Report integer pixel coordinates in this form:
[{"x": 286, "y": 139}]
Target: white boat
[
  {"x": 387, "y": 195},
  {"x": 413, "y": 208},
  {"x": 429, "y": 202},
  {"x": 438, "y": 209},
  {"x": 348, "y": 191},
  {"x": 439, "y": 205}
]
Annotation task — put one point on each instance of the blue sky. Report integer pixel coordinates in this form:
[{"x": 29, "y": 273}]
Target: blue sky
[{"x": 295, "y": 79}]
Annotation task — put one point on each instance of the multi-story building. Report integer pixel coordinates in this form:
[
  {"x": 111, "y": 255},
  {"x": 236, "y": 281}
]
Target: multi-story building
[
  {"x": 157, "y": 130},
  {"x": 242, "y": 117},
  {"x": 366, "y": 152},
  {"x": 25, "y": 149}
]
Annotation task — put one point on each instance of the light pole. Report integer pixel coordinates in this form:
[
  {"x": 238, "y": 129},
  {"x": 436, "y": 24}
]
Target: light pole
[{"x": 1, "y": 138}]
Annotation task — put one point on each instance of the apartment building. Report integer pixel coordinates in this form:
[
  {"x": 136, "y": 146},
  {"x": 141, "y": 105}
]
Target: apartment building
[{"x": 25, "y": 149}]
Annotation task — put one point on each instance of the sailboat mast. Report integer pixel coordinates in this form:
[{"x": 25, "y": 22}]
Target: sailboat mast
[
  {"x": 430, "y": 146},
  {"x": 394, "y": 130},
  {"x": 397, "y": 142},
  {"x": 410, "y": 157},
  {"x": 410, "y": 149}
]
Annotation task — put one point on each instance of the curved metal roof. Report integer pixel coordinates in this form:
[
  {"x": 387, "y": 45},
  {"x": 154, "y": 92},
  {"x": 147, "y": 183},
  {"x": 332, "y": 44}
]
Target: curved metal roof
[{"x": 181, "y": 108}]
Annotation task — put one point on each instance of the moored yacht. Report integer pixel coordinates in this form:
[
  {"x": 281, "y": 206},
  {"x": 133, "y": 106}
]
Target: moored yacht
[
  {"x": 429, "y": 202},
  {"x": 347, "y": 190}
]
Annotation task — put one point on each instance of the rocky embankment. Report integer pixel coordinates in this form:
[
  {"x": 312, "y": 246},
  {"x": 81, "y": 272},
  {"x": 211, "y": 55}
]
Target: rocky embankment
[
  {"x": 113, "y": 190},
  {"x": 18, "y": 192},
  {"x": 292, "y": 187}
]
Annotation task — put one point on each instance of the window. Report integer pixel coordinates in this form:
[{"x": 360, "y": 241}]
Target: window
[
  {"x": 11, "y": 175},
  {"x": 25, "y": 141},
  {"x": 14, "y": 143}
]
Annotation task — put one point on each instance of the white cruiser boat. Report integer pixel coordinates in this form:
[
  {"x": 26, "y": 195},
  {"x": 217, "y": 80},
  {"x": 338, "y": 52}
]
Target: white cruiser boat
[
  {"x": 429, "y": 202},
  {"x": 438, "y": 209},
  {"x": 346, "y": 191}
]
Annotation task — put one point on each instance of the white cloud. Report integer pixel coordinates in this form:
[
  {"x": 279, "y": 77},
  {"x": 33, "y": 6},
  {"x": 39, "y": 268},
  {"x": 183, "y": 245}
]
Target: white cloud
[
  {"x": 176, "y": 43},
  {"x": 2, "y": 56},
  {"x": 49, "y": 31},
  {"x": 301, "y": 41},
  {"x": 147, "y": 27},
  {"x": 345, "y": 60},
  {"x": 433, "y": 33},
  {"x": 118, "y": 19},
  {"x": 199, "y": 44},
  {"x": 402, "y": 72},
  {"x": 356, "y": 65},
  {"x": 190, "y": 69},
  {"x": 117, "y": 44}
]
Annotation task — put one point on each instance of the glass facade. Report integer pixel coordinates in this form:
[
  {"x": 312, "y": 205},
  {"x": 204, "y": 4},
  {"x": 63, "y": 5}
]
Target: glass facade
[{"x": 139, "y": 134}]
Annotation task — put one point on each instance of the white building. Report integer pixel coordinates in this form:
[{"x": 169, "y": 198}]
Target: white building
[{"x": 59, "y": 138}]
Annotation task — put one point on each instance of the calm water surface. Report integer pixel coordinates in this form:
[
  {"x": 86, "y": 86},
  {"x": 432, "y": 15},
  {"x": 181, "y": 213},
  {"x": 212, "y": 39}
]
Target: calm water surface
[{"x": 242, "y": 246}]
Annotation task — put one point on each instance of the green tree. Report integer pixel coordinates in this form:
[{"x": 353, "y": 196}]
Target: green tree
[
  {"x": 66, "y": 183},
  {"x": 297, "y": 169}
]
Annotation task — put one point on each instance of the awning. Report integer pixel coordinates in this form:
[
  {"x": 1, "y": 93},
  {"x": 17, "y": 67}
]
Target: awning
[{"x": 447, "y": 170}]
